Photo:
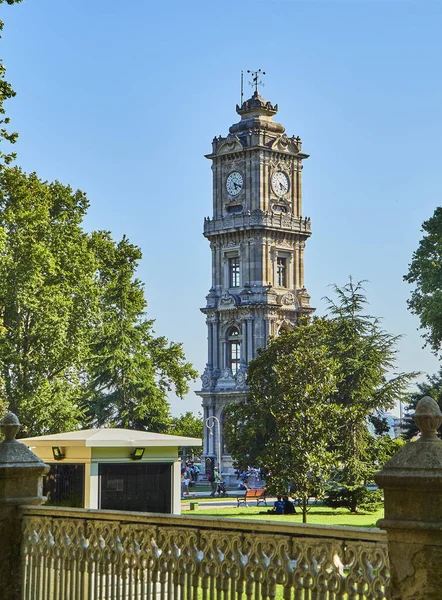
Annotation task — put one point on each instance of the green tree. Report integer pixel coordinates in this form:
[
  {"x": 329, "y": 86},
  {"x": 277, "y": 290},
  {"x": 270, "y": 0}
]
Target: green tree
[
  {"x": 48, "y": 299},
  {"x": 130, "y": 370},
  {"x": 431, "y": 387},
  {"x": 6, "y": 92},
  {"x": 425, "y": 273},
  {"x": 379, "y": 449},
  {"x": 363, "y": 356},
  {"x": 367, "y": 384},
  {"x": 288, "y": 423},
  {"x": 189, "y": 425},
  {"x": 73, "y": 338},
  {"x": 74, "y": 343}
]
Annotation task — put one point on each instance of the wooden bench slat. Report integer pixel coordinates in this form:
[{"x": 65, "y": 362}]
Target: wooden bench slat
[{"x": 256, "y": 494}]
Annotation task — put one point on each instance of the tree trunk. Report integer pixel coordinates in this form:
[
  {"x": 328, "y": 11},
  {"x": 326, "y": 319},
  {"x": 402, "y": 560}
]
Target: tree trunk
[{"x": 304, "y": 509}]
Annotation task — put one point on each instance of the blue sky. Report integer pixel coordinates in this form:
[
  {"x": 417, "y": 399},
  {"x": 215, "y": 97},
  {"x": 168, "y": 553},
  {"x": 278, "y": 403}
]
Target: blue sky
[{"x": 122, "y": 100}]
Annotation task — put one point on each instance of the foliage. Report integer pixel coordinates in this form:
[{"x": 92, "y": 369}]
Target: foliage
[
  {"x": 6, "y": 92},
  {"x": 189, "y": 425},
  {"x": 288, "y": 421},
  {"x": 287, "y": 411},
  {"x": 47, "y": 299},
  {"x": 341, "y": 494},
  {"x": 425, "y": 272},
  {"x": 366, "y": 355},
  {"x": 368, "y": 500},
  {"x": 131, "y": 370},
  {"x": 431, "y": 387},
  {"x": 74, "y": 342}
]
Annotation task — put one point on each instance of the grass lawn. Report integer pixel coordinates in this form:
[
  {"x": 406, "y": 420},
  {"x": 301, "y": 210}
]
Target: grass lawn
[{"x": 318, "y": 515}]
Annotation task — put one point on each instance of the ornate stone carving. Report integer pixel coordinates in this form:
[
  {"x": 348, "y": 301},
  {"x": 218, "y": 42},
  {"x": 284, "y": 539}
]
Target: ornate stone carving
[
  {"x": 229, "y": 144},
  {"x": 206, "y": 378},
  {"x": 226, "y": 381},
  {"x": 257, "y": 147},
  {"x": 303, "y": 297},
  {"x": 288, "y": 299},
  {"x": 285, "y": 144},
  {"x": 227, "y": 301},
  {"x": 240, "y": 376},
  {"x": 156, "y": 557},
  {"x": 428, "y": 417},
  {"x": 21, "y": 471}
]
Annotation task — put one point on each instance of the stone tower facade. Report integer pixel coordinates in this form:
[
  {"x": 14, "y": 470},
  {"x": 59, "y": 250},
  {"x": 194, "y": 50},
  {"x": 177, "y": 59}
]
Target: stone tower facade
[{"x": 257, "y": 236}]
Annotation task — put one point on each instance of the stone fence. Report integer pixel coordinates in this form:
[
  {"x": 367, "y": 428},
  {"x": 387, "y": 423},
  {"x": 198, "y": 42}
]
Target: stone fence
[
  {"x": 49, "y": 553},
  {"x": 75, "y": 554}
]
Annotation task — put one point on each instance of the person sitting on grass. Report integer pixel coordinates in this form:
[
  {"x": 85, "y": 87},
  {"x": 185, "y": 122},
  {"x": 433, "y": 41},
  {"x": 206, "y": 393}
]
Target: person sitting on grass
[
  {"x": 289, "y": 507},
  {"x": 278, "y": 507}
]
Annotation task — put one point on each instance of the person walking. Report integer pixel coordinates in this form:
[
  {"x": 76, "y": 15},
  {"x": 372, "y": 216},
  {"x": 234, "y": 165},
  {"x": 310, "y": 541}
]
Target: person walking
[
  {"x": 213, "y": 484},
  {"x": 216, "y": 480}
]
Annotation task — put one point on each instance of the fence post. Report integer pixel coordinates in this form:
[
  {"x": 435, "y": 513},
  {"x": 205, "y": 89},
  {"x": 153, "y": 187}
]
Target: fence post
[
  {"x": 21, "y": 481},
  {"x": 412, "y": 483}
]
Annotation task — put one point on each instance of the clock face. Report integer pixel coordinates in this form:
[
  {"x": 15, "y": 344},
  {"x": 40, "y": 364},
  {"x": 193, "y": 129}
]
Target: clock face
[
  {"x": 234, "y": 183},
  {"x": 280, "y": 183}
]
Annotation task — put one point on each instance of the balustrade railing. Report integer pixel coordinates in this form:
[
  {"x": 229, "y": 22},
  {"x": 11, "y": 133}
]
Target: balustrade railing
[
  {"x": 75, "y": 554},
  {"x": 257, "y": 219}
]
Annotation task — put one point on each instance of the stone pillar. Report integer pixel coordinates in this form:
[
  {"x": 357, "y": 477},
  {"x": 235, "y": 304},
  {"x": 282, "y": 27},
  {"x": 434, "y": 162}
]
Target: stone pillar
[
  {"x": 21, "y": 482},
  {"x": 244, "y": 341},
  {"x": 250, "y": 327},
  {"x": 210, "y": 344},
  {"x": 412, "y": 483}
]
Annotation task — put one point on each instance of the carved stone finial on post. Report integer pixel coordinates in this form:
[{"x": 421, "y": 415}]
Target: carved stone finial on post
[
  {"x": 21, "y": 482},
  {"x": 412, "y": 483},
  {"x": 21, "y": 471},
  {"x": 428, "y": 418},
  {"x": 10, "y": 426}
]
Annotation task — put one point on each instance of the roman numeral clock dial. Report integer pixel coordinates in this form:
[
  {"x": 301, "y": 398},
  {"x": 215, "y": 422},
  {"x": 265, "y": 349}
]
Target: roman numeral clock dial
[
  {"x": 280, "y": 183},
  {"x": 234, "y": 183}
]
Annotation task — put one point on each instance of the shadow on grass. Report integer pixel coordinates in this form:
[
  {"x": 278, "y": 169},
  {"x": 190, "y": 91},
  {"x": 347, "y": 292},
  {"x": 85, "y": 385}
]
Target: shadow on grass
[{"x": 317, "y": 516}]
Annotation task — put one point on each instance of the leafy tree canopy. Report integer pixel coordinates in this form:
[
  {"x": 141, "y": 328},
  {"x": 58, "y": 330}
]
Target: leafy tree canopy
[
  {"x": 287, "y": 391},
  {"x": 425, "y": 273},
  {"x": 48, "y": 299},
  {"x": 431, "y": 387},
  {"x": 131, "y": 370},
  {"x": 288, "y": 423},
  {"x": 75, "y": 346},
  {"x": 189, "y": 425},
  {"x": 6, "y": 92},
  {"x": 368, "y": 384}
]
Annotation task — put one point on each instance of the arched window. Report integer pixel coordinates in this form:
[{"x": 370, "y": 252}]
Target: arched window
[
  {"x": 233, "y": 349},
  {"x": 281, "y": 271}
]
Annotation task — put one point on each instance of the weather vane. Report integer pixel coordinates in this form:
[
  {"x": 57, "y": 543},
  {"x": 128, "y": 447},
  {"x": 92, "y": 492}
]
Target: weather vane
[{"x": 255, "y": 78}]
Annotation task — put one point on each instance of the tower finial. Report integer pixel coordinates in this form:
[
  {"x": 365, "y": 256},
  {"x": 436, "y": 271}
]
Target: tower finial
[{"x": 255, "y": 78}]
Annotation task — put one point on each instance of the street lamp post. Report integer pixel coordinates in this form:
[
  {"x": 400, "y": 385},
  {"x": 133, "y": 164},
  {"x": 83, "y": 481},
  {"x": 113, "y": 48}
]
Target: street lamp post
[{"x": 210, "y": 424}]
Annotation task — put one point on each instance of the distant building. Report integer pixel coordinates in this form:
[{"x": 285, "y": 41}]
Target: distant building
[
  {"x": 397, "y": 427},
  {"x": 257, "y": 236}
]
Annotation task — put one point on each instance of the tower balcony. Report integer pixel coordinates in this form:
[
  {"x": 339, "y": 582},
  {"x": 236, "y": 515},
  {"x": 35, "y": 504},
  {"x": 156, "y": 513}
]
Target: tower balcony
[{"x": 257, "y": 220}]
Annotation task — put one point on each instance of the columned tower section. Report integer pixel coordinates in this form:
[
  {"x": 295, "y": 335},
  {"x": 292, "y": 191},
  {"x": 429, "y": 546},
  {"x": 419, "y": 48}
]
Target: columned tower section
[{"x": 257, "y": 236}]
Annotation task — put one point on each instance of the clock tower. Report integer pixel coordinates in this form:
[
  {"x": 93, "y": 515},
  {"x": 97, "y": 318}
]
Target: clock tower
[{"x": 257, "y": 236}]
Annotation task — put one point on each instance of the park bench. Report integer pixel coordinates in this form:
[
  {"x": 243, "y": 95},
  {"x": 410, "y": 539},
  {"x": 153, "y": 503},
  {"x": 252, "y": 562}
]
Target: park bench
[{"x": 258, "y": 495}]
